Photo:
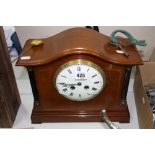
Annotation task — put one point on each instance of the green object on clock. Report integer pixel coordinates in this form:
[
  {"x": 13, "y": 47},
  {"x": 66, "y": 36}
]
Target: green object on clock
[{"x": 134, "y": 41}]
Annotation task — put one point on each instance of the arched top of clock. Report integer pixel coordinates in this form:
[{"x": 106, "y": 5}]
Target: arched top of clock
[{"x": 77, "y": 41}]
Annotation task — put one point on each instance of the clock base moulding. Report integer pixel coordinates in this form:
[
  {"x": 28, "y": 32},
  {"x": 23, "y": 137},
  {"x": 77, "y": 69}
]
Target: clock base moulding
[{"x": 92, "y": 116}]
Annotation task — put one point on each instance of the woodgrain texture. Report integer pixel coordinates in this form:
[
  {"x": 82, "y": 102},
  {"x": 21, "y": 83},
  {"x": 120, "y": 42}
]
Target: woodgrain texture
[
  {"x": 9, "y": 95},
  {"x": 78, "y": 41},
  {"x": 72, "y": 44}
]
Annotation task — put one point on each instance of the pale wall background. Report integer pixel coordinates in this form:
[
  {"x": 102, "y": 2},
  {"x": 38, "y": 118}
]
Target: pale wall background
[{"x": 139, "y": 32}]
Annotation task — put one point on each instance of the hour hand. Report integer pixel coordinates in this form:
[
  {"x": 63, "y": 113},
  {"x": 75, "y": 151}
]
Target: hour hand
[{"x": 78, "y": 84}]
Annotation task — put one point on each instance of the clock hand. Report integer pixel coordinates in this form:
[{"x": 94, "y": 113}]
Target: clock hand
[
  {"x": 78, "y": 84},
  {"x": 65, "y": 85}
]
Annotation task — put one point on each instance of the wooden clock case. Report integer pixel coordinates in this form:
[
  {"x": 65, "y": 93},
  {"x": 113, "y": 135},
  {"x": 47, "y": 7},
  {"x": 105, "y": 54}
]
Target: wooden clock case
[{"x": 72, "y": 44}]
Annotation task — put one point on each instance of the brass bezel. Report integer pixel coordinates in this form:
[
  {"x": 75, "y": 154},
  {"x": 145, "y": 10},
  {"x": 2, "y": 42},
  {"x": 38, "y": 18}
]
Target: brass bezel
[{"x": 81, "y": 62}]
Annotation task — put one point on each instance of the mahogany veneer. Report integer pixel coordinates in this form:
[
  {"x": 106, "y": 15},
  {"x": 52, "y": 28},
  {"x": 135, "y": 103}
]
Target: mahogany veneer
[{"x": 72, "y": 44}]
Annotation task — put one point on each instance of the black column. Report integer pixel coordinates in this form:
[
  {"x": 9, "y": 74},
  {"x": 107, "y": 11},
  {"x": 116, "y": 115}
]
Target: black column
[
  {"x": 126, "y": 83},
  {"x": 33, "y": 85}
]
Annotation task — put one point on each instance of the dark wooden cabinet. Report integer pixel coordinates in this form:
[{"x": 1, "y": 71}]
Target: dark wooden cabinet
[
  {"x": 43, "y": 62},
  {"x": 9, "y": 95}
]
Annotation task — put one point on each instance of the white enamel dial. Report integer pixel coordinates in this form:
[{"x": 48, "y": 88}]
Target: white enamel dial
[{"x": 80, "y": 80}]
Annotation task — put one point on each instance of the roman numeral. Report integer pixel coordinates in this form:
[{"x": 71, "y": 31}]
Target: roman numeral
[
  {"x": 71, "y": 94},
  {"x": 79, "y": 95},
  {"x": 94, "y": 75},
  {"x": 65, "y": 89},
  {"x": 78, "y": 68},
  {"x": 89, "y": 94},
  {"x": 70, "y": 72},
  {"x": 63, "y": 76},
  {"x": 96, "y": 82},
  {"x": 61, "y": 83},
  {"x": 94, "y": 89}
]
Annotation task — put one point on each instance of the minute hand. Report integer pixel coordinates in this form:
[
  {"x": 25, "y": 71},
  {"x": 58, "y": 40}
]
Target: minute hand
[{"x": 78, "y": 84}]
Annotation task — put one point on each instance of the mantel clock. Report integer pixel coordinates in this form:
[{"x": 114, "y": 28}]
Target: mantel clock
[{"x": 77, "y": 73}]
